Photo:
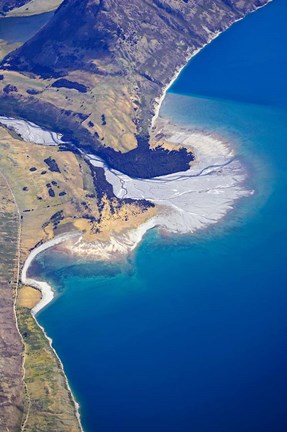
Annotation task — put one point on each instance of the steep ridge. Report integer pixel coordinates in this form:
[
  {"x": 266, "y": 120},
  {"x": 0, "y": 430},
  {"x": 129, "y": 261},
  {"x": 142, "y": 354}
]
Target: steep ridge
[{"x": 99, "y": 68}]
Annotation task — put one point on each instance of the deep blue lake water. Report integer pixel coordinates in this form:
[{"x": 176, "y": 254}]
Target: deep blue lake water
[{"x": 191, "y": 334}]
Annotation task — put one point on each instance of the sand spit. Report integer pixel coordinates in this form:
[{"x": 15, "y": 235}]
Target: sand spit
[
  {"x": 31, "y": 132},
  {"x": 44, "y": 287}
]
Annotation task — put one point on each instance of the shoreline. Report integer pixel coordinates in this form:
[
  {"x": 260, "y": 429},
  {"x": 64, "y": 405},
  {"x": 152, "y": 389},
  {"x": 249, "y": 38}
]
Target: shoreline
[
  {"x": 213, "y": 155},
  {"x": 158, "y": 102},
  {"x": 118, "y": 247},
  {"x": 44, "y": 287},
  {"x": 186, "y": 201},
  {"x": 76, "y": 404},
  {"x": 47, "y": 296}
]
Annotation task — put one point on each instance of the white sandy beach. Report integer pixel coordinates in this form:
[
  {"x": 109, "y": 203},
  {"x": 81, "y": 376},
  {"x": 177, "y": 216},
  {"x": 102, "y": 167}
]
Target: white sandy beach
[
  {"x": 44, "y": 287},
  {"x": 47, "y": 296}
]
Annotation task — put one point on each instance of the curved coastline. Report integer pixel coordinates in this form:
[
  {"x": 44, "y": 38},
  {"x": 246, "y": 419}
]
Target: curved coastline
[
  {"x": 213, "y": 155},
  {"x": 43, "y": 287},
  {"x": 137, "y": 235},
  {"x": 186, "y": 201},
  {"x": 172, "y": 194},
  {"x": 47, "y": 294}
]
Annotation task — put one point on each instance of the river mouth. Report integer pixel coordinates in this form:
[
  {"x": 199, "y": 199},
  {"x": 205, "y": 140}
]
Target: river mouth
[{"x": 187, "y": 201}]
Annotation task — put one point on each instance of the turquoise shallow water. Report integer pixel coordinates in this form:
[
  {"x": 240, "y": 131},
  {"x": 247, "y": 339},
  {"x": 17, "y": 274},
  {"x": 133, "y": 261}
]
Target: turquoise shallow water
[{"x": 190, "y": 334}]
